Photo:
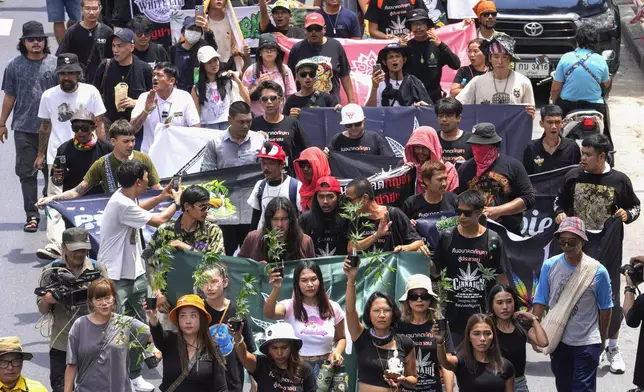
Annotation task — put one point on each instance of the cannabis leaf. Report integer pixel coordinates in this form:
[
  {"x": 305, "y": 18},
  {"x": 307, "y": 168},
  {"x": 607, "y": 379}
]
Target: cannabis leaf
[
  {"x": 276, "y": 247},
  {"x": 163, "y": 264},
  {"x": 200, "y": 276},
  {"x": 248, "y": 289}
]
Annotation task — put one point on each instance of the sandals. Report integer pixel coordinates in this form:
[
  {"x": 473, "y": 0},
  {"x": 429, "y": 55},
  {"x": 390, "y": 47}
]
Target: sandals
[{"x": 31, "y": 226}]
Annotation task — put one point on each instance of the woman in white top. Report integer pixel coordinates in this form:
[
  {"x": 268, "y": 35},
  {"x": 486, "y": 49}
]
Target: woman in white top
[
  {"x": 215, "y": 90},
  {"x": 317, "y": 320}
]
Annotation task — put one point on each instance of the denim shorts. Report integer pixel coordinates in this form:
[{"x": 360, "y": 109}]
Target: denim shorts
[
  {"x": 521, "y": 384},
  {"x": 56, "y": 10}
]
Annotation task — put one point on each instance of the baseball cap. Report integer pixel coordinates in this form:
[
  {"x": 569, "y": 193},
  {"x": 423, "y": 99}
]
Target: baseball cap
[
  {"x": 206, "y": 53},
  {"x": 76, "y": 238},
  {"x": 272, "y": 151},
  {"x": 306, "y": 62},
  {"x": 418, "y": 281},
  {"x": 351, "y": 114},
  {"x": 333, "y": 185},
  {"x": 573, "y": 224},
  {"x": 284, "y": 4},
  {"x": 189, "y": 22},
  {"x": 125, "y": 35},
  {"x": 313, "y": 19}
]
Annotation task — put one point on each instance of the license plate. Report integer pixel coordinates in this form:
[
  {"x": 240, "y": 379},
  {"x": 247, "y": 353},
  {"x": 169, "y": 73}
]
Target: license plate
[{"x": 533, "y": 70}]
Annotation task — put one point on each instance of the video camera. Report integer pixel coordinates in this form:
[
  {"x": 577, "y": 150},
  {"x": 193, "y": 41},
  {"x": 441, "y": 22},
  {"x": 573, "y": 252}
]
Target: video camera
[
  {"x": 66, "y": 288},
  {"x": 636, "y": 271}
]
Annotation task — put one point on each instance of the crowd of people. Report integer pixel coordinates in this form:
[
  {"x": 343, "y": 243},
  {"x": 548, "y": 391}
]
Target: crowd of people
[{"x": 87, "y": 117}]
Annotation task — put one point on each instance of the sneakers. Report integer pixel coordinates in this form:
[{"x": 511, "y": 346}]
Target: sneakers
[
  {"x": 140, "y": 385},
  {"x": 614, "y": 357},
  {"x": 48, "y": 253}
]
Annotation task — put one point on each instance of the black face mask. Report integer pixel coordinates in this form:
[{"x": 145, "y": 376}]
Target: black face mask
[{"x": 381, "y": 340}]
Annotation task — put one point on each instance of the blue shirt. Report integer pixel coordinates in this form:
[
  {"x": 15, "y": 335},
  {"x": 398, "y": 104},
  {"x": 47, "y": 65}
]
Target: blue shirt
[
  {"x": 579, "y": 85},
  {"x": 344, "y": 24}
]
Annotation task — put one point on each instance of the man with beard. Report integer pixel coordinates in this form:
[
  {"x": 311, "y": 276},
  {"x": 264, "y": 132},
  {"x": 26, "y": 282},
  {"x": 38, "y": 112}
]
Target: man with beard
[
  {"x": 550, "y": 151},
  {"x": 485, "y": 11},
  {"x": 322, "y": 222},
  {"x": 89, "y": 39},
  {"x": 387, "y": 18},
  {"x": 328, "y": 53},
  {"x": 453, "y": 140},
  {"x": 305, "y": 74},
  {"x": 355, "y": 138},
  {"x": 57, "y": 106},
  {"x": 146, "y": 50},
  {"x": 281, "y": 13},
  {"x": 342, "y": 21},
  {"x": 501, "y": 178},
  {"x": 20, "y": 96},
  {"x": 427, "y": 53}
]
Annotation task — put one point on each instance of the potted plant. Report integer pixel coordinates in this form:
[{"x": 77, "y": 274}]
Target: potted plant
[
  {"x": 276, "y": 249},
  {"x": 163, "y": 264},
  {"x": 443, "y": 288},
  {"x": 248, "y": 290},
  {"x": 357, "y": 227}
]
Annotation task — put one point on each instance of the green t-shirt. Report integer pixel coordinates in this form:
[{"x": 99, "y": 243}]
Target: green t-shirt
[{"x": 97, "y": 175}]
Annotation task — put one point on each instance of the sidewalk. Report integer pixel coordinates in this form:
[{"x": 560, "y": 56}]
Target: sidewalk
[{"x": 632, "y": 34}]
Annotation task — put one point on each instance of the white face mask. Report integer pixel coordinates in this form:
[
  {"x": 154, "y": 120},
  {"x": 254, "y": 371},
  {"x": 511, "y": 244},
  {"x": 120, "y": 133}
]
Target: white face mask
[{"x": 192, "y": 36}]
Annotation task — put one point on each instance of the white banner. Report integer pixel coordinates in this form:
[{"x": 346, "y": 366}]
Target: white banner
[
  {"x": 461, "y": 9},
  {"x": 248, "y": 18}
]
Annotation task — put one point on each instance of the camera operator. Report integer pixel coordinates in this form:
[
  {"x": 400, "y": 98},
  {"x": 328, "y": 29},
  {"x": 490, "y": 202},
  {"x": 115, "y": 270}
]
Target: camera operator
[
  {"x": 75, "y": 259},
  {"x": 634, "y": 312}
]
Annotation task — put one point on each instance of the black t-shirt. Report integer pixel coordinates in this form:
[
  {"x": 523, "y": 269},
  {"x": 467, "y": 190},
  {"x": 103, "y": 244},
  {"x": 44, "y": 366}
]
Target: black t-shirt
[
  {"x": 291, "y": 32},
  {"x": 457, "y": 151},
  {"x": 153, "y": 55},
  {"x": 513, "y": 348},
  {"x": 372, "y": 360},
  {"x": 323, "y": 100},
  {"x": 330, "y": 56},
  {"x": 79, "y": 162},
  {"x": 138, "y": 77},
  {"x": 429, "y": 377},
  {"x": 464, "y": 75},
  {"x": 391, "y": 15},
  {"x": 460, "y": 257},
  {"x": 537, "y": 160},
  {"x": 370, "y": 143},
  {"x": 483, "y": 379},
  {"x": 185, "y": 67},
  {"x": 288, "y": 133},
  {"x": 426, "y": 62},
  {"x": 270, "y": 379},
  {"x": 327, "y": 233},
  {"x": 400, "y": 233},
  {"x": 79, "y": 40},
  {"x": 416, "y": 207},
  {"x": 634, "y": 317}
]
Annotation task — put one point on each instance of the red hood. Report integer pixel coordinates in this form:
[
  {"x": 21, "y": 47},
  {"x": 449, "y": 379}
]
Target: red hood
[{"x": 320, "y": 165}]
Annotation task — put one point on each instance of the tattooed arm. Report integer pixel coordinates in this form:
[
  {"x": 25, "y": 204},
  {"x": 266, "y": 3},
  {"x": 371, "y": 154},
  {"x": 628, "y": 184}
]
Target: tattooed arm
[
  {"x": 43, "y": 141},
  {"x": 74, "y": 193}
]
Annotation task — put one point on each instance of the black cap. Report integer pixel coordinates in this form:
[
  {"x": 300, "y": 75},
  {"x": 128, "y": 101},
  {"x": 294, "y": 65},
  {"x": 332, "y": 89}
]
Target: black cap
[
  {"x": 33, "y": 29},
  {"x": 83, "y": 115},
  {"x": 189, "y": 22},
  {"x": 125, "y": 35},
  {"x": 68, "y": 62},
  {"x": 417, "y": 15},
  {"x": 484, "y": 133},
  {"x": 267, "y": 39}
]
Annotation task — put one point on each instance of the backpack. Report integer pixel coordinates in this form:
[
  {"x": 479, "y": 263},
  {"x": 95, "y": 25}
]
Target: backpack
[{"x": 292, "y": 192}]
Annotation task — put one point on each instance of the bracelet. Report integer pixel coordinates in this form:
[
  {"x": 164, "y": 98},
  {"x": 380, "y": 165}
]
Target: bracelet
[
  {"x": 145, "y": 111},
  {"x": 235, "y": 344},
  {"x": 629, "y": 289}
]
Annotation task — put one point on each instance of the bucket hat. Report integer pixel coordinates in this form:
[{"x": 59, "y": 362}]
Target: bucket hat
[
  {"x": 418, "y": 281},
  {"x": 573, "y": 224},
  {"x": 484, "y": 133},
  {"x": 188, "y": 300},
  {"x": 277, "y": 332},
  {"x": 10, "y": 345}
]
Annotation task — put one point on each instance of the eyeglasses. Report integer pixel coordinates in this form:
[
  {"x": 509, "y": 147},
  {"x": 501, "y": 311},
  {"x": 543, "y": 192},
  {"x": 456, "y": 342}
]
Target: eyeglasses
[
  {"x": 143, "y": 34},
  {"x": 310, "y": 74},
  {"x": 467, "y": 213},
  {"x": 81, "y": 128},
  {"x": 14, "y": 363},
  {"x": 349, "y": 126},
  {"x": 488, "y": 14},
  {"x": 271, "y": 98},
  {"x": 314, "y": 29},
  {"x": 570, "y": 242},
  {"x": 414, "y": 296},
  {"x": 34, "y": 39},
  {"x": 269, "y": 50}
]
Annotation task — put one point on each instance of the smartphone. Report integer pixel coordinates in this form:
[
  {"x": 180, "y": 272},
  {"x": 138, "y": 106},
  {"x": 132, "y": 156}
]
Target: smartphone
[
  {"x": 199, "y": 11},
  {"x": 175, "y": 182},
  {"x": 376, "y": 68}
]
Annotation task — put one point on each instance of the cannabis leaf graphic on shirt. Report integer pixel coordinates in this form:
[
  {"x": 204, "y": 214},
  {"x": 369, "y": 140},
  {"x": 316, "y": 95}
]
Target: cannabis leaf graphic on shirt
[
  {"x": 326, "y": 251},
  {"x": 422, "y": 361},
  {"x": 467, "y": 275}
]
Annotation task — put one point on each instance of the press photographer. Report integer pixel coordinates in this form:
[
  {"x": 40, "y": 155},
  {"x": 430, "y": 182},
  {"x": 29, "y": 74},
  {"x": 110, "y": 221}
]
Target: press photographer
[
  {"x": 62, "y": 293},
  {"x": 634, "y": 311}
]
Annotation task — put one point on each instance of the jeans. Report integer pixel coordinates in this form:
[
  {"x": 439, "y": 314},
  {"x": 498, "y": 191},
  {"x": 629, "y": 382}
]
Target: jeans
[
  {"x": 575, "y": 367},
  {"x": 26, "y": 152},
  {"x": 57, "y": 365},
  {"x": 131, "y": 294},
  {"x": 521, "y": 384}
]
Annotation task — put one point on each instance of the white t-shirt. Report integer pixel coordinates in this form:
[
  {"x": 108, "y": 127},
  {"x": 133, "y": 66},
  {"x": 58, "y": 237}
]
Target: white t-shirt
[
  {"x": 317, "y": 335},
  {"x": 484, "y": 89},
  {"x": 395, "y": 84},
  {"x": 271, "y": 192},
  {"x": 120, "y": 247},
  {"x": 59, "y": 107},
  {"x": 179, "y": 109},
  {"x": 215, "y": 109}
]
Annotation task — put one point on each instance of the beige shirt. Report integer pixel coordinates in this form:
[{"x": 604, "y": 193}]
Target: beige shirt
[
  {"x": 223, "y": 36},
  {"x": 484, "y": 89}
]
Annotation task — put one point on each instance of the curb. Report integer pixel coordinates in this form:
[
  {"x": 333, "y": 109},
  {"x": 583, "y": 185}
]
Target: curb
[{"x": 632, "y": 34}]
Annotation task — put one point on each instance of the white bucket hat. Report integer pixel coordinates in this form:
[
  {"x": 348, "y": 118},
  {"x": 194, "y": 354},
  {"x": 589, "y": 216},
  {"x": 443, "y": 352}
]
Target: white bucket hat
[
  {"x": 418, "y": 281},
  {"x": 206, "y": 53},
  {"x": 279, "y": 331},
  {"x": 351, "y": 114}
]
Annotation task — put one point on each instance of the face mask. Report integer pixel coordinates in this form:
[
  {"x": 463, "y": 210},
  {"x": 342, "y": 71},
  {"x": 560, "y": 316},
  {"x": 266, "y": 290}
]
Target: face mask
[{"x": 192, "y": 36}]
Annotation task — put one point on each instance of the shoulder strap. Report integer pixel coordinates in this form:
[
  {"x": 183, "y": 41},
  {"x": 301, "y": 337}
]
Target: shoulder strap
[
  {"x": 292, "y": 191},
  {"x": 260, "y": 192},
  {"x": 112, "y": 181},
  {"x": 314, "y": 98},
  {"x": 184, "y": 373},
  {"x": 91, "y": 52},
  {"x": 581, "y": 62},
  {"x": 107, "y": 66}
]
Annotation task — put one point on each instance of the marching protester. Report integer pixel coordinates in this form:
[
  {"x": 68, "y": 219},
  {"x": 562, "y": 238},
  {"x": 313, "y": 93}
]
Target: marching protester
[
  {"x": 328, "y": 53},
  {"x": 550, "y": 151},
  {"x": 269, "y": 65},
  {"x": 281, "y": 15},
  {"x": 456, "y": 150},
  {"x": 317, "y": 320},
  {"x": 286, "y": 131},
  {"x": 391, "y": 230},
  {"x": 280, "y": 215},
  {"x": 122, "y": 79},
  {"x": 576, "y": 291},
  {"x": 434, "y": 199},
  {"x": 485, "y": 11},
  {"x": 502, "y": 179},
  {"x": 103, "y": 337},
  {"x": 514, "y": 328},
  {"x": 88, "y": 39},
  {"x": 424, "y": 146},
  {"x": 57, "y": 106},
  {"x": 146, "y": 50},
  {"x": 322, "y": 222},
  {"x": 279, "y": 367},
  {"x": 634, "y": 314},
  {"x": 427, "y": 53},
  {"x": 486, "y": 89},
  {"x": 307, "y": 97},
  {"x": 75, "y": 260},
  {"x": 12, "y": 357},
  {"x": 221, "y": 310},
  {"x": 483, "y": 248},
  {"x": 343, "y": 22},
  {"x": 183, "y": 54},
  {"x": 191, "y": 359},
  {"x": 477, "y": 67},
  {"x": 386, "y": 358},
  {"x": 393, "y": 85},
  {"x": 387, "y": 18},
  {"x": 309, "y": 167},
  {"x": 478, "y": 364},
  {"x": 163, "y": 104},
  {"x": 20, "y": 95},
  {"x": 219, "y": 23},
  {"x": 216, "y": 90},
  {"x": 355, "y": 138}
]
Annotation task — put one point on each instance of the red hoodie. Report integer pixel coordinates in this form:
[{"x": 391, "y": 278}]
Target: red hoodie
[
  {"x": 320, "y": 165},
  {"x": 427, "y": 137}
]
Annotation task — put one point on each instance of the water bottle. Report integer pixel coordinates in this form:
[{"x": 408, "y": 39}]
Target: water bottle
[
  {"x": 340, "y": 380},
  {"x": 463, "y": 82},
  {"x": 325, "y": 376}
]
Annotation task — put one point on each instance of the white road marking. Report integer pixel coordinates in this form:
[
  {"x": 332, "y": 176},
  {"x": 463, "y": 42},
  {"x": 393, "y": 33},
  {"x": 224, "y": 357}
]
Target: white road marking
[{"x": 5, "y": 27}]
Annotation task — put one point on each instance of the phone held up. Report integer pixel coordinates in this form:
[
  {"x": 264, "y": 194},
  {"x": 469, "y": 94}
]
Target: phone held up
[
  {"x": 376, "y": 68},
  {"x": 199, "y": 11},
  {"x": 175, "y": 183}
]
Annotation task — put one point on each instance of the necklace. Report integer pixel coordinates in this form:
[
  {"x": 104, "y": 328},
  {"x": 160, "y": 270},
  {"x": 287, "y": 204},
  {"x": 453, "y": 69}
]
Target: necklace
[
  {"x": 501, "y": 97},
  {"x": 337, "y": 16},
  {"x": 380, "y": 359}
]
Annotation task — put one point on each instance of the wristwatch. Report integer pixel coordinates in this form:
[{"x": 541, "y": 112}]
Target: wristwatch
[
  {"x": 177, "y": 204},
  {"x": 629, "y": 289}
]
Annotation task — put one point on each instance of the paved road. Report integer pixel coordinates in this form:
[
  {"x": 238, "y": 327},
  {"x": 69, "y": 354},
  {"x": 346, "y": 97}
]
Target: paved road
[{"x": 20, "y": 269}]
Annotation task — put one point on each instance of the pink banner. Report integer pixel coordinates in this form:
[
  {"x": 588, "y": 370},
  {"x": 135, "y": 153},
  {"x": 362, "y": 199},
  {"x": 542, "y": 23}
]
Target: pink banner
[{"x": 362, "y": 55}]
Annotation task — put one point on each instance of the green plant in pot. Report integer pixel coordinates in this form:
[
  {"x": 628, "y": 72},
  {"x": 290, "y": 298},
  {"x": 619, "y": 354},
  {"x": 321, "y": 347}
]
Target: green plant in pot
[
  {"x": 358, "y": 225},
  {"x": 276, "y": 250},
  {"x": 248, "y": 289},
  {"x": 163, "y": 257},
  {"x": 443, "y": 286}
]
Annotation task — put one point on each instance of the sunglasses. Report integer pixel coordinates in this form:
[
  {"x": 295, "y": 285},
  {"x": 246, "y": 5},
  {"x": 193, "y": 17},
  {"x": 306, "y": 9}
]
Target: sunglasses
[
  {"x": 81, "y": 128},
  {"x": 204, "y": 208},
  {"x": 34, "y": 39},
  {"x": 488, "y": 14},
  {"x": 310, "y": 74},
  {"x": 314, "y": 29},
  {"x": 467, "y": 213},
  {"x": 269, "y": 98},
  {"x": 349, "y": 126},
  {"x": 414, "y": 297},
  {"x": 571, "y": 242}
]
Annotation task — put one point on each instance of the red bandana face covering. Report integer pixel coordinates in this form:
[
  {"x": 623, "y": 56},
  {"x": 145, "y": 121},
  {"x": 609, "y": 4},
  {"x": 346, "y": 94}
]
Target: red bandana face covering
[{"x": 484, "y": 156}]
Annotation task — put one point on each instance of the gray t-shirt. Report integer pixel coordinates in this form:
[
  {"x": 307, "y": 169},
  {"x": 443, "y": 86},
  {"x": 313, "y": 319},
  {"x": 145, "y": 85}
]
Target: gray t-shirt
[
  {"x": 27, "y": 80},
  {"x": 101, "y": 353}
]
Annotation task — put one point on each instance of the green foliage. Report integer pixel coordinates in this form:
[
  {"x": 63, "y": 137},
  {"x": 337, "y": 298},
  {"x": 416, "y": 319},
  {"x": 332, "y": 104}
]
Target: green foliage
[
  {"x": 124, "y": 323},
  {"x": 443, "y": 288},
  {"x": 276, "y": 247},
  {"x": 488, "y": 275},
  {"x": 164, "y": 256},
  {"x": 378, "y": 266},
  {"x": 216, "y": 187},
  {"x": 249, "y": 289},
  {"x": 208, "y": 260}
]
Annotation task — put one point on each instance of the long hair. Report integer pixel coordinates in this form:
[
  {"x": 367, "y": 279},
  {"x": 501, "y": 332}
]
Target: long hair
[
  {"x": 319, "y": 216},
  {"x": 23, "y": 49},
  {"x": 407, "y": 315},
  {"x": 366, "y": 313},
  {"x": 324, "y": 305},
  {"x": 294, "y": 370},
  {"x": 223, "y": 83},
  {"x": 294, "y": 236},
  {"x": 279, "y": 62},
  {"x": 465, "y": 350},
  {"x": 204, "y": 341},
  {"x": 504, "y": 288}
]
